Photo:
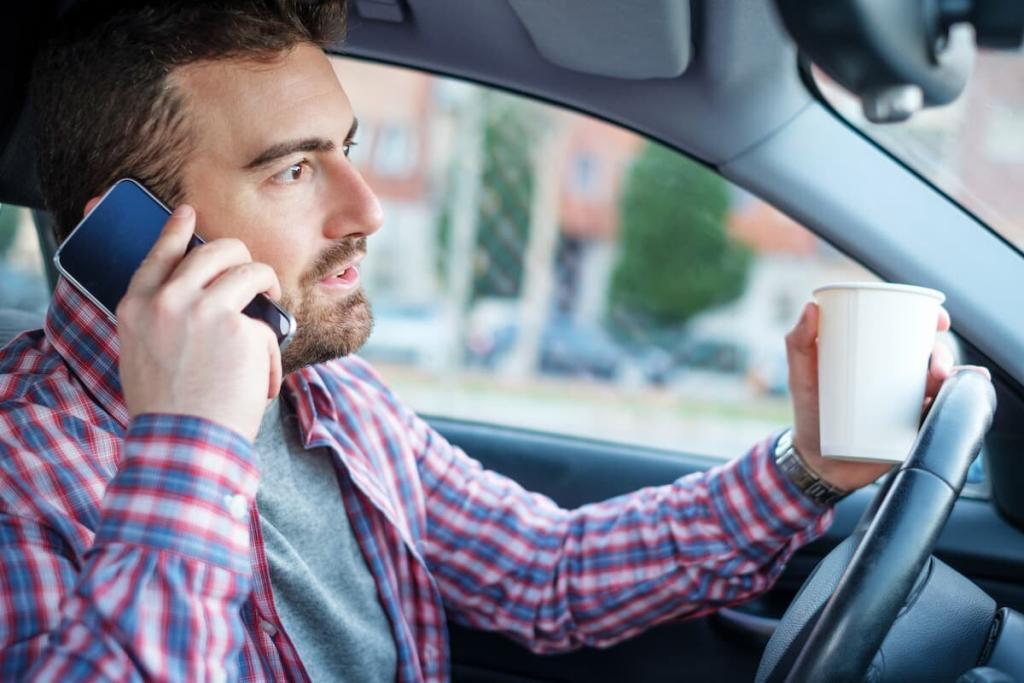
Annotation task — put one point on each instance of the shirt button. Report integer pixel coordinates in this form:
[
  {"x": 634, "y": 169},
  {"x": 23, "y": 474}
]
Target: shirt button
[
  {"x": 237, "y": 505},
  {"x": 268, "y": 628}
]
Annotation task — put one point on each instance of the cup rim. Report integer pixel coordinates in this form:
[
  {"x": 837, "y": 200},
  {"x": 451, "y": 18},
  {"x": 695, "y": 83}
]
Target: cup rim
[{"x": 885, "y": 286}]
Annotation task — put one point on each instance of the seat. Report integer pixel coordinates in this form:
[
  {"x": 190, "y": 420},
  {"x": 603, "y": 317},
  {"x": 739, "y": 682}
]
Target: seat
[{"x": 13, "y": 322}]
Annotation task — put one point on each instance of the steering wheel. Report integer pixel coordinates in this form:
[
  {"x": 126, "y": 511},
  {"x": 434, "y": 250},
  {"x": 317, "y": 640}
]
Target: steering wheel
[{"x": 879, "y": 607}]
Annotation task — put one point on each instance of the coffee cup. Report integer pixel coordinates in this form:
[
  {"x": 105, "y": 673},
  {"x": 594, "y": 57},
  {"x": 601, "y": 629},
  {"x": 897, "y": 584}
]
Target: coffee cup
[{"x": 874, "y": 345}]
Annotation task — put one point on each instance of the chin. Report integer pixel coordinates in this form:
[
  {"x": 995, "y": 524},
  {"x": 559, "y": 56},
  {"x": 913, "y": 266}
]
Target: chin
[{"x": 330, "y": 335}]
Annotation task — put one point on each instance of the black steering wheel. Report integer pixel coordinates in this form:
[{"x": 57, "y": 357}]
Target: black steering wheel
[{"x": 879, "y": 607}]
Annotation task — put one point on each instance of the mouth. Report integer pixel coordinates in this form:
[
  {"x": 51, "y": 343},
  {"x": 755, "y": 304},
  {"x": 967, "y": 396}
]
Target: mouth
[{"x": 345, "y": 276}]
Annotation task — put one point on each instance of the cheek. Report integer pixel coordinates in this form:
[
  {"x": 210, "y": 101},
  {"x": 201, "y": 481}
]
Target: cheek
[
  {"x": 268, "y": 240},
  {"x": 285, "y": 256},
  {"x": 276, "y": 232}
]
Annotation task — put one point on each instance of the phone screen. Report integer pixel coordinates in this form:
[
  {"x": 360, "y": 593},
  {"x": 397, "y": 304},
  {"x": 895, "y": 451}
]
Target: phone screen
[{"x": 103, "y": 252}]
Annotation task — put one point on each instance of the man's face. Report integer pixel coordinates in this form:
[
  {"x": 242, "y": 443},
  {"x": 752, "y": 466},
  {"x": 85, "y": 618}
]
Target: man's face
[{"x": 270, "y": 168}]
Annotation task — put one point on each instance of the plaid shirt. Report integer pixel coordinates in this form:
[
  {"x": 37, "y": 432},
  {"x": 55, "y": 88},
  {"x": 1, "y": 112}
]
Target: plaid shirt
[{"x": 130, "y": 549}]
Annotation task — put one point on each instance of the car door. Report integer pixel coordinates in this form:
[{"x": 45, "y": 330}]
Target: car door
[{"x": 607, "y": 315}]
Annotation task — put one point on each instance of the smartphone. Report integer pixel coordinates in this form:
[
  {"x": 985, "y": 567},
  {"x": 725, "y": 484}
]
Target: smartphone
[{"x": 102, "y": 253}]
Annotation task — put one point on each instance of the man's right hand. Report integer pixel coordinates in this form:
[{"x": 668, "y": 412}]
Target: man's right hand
[{"x": 186, "y": 347}]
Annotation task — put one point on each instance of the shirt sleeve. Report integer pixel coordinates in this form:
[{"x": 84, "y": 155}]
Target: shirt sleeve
[
  {"x": 512, "y": 561},
  {"x": 158, "y": 595}
]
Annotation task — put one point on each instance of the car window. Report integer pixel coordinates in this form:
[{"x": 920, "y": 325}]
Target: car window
[
  {"x": 22, "y": 276},
  {"x": 972, "y": 149},
  {"x": 542, "y": 269}
]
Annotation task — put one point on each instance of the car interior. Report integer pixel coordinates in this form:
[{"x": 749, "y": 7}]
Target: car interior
[{"x": 912, "y": 581}]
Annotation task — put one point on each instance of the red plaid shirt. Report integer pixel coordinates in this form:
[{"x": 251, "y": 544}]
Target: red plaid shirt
[{"x": 130, "y": 549}]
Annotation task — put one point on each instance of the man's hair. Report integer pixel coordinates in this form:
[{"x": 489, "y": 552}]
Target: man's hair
[{"x": 105, "y": 107}]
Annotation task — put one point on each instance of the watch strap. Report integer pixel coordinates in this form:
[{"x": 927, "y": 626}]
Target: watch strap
[{"x": 793, "y": 467}]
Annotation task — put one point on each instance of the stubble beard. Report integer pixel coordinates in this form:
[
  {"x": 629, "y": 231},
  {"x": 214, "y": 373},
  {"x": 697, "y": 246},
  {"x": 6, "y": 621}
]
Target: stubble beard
[{"x": 326, "y": 330}]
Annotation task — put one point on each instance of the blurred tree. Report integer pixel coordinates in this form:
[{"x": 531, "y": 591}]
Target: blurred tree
[
  {"x": 8, "y": 227},
  {"x": 506, "y": 195},
  {"x": 675, "y": 259},
  {"x": 443, "y": 233}
]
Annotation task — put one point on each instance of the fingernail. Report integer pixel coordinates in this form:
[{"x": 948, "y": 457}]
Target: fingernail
[{"x": 183, "y": 211}]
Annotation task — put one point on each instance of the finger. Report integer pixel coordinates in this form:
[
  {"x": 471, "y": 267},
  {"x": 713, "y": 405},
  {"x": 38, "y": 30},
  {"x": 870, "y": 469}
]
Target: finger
[
  {"x": 207, "y": 262},
  {"x": 944, "y": 321},
  {"x": 237, "y": 286},
  {"x": 927, "y": 406},
  {"x": 802, "y": 339},
  {"x": 939, "y": 368},
  {"x": 974, "y": 368},
  {"x": 276, "y": 374},
  {"x": 166, "y": 252}
]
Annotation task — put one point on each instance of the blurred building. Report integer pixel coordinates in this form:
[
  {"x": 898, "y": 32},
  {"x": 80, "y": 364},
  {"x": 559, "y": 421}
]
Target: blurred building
[{"x": 409, "y": 131}]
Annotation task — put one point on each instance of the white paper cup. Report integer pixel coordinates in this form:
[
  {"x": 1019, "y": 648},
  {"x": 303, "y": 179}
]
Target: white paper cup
[{"x": 874, "y": 342}]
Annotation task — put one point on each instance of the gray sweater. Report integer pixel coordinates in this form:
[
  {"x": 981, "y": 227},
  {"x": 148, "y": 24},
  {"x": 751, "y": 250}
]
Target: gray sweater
[{"x": 323, "y": 590}]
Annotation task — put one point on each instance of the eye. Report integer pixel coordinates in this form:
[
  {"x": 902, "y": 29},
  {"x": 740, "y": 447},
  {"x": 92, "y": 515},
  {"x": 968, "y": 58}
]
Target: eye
[
  {"x": 347, "y": 147},
  {"x": 293, "y": 173}
]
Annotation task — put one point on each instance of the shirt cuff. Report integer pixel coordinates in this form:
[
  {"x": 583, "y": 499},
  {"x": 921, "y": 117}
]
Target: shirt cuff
[
  {"x": 761, "y": 509},
  {"x": 184, "y": 485}
]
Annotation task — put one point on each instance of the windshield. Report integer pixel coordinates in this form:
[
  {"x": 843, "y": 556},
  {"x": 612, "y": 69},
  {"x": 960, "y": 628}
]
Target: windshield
[{"x": 972, "y": 149}]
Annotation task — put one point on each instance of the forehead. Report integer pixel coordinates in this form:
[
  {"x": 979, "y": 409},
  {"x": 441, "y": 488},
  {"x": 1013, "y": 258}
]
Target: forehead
[{"x": 242, "y": 105}]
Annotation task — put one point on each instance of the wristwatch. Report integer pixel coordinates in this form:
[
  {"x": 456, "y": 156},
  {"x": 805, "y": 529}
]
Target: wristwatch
[{"x": 796, "y": 470}]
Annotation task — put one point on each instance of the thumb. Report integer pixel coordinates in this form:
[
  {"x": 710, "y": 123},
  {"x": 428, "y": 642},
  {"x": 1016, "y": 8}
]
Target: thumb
[
  {"x": 802, "y": 340},
  {"x": 802, "y": 356}
]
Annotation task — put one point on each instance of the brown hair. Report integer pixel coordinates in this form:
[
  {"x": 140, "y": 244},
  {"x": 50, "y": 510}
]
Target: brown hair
[{"x": 105, "y": 107}]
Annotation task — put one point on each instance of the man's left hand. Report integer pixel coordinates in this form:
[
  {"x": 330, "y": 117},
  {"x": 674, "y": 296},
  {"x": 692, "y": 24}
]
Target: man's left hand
[{"x": 802, "y": 353}]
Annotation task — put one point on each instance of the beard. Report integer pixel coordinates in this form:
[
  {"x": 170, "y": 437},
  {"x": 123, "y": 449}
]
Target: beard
[{"x": 326, "y": 329}]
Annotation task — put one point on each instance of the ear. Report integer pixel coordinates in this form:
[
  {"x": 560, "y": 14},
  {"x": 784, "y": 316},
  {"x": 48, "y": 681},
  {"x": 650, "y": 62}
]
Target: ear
[{"x": 91, "y": 203}]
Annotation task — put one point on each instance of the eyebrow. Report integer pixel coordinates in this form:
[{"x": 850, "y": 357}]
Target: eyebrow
[{"x": 283, "y": 149}]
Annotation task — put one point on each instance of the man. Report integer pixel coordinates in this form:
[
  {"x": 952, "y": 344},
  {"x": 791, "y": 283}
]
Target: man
[{"x": 159, "y": 521}]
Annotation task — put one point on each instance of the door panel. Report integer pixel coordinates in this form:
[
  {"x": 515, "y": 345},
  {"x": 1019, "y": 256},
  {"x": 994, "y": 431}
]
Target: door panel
[{"x": 573, "y": 472}]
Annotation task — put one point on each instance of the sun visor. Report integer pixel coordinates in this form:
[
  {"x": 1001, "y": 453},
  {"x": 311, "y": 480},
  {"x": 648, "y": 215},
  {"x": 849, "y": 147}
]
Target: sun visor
[{"x": 620, "y": 38}]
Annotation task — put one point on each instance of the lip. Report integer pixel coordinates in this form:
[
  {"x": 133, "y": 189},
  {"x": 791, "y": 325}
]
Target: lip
[{"x": 338, "y": 277}]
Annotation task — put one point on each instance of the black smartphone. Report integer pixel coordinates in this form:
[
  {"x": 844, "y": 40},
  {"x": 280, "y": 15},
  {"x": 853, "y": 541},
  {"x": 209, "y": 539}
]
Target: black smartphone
[{"x": 102, "y": 253}]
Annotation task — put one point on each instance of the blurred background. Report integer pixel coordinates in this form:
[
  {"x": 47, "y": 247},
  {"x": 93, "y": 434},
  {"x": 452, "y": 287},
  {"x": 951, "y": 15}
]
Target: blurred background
[{"x": 543, "y": 269}]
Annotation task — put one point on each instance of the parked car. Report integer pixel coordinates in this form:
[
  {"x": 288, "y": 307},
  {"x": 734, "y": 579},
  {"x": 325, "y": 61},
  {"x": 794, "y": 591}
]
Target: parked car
[
  {"x": 421, "y": 336},
  {"x": 570, "y": 349}
]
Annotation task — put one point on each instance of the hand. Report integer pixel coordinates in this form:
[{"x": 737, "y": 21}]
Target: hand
[
  {"x": 186, "y": 347},
  {"x": 802, "y": 353}
]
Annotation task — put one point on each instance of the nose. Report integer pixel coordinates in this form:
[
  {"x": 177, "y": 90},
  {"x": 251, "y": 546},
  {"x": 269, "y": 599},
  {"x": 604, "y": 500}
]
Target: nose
[{"x": 355, "y": 210}]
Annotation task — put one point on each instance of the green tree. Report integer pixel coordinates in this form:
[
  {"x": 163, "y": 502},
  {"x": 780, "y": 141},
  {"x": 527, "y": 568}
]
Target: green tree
[
  {"x": 8, "y": 227},
  {"x": 506, "y": 196},
  {"x": 676, "y": 259}
]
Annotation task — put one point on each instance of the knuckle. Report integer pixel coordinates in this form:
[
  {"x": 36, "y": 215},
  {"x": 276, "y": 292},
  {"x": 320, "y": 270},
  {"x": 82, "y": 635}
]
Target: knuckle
[
  {"x": 234, "y": 326},
  {"x": 265, "y": 272},
  {"x": 164, "y": 302},
  {"x": 224, "y": 247},
  {"x": 251, "y": 270},
  {"x": 206, "y": 308},
  {"x": 236, "y": 248}
]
